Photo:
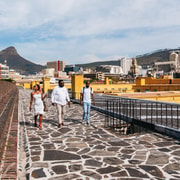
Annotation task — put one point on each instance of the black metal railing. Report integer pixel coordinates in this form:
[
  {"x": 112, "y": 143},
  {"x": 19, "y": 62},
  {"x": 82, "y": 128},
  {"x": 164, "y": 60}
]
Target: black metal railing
[{"x": 129, "y": 115}]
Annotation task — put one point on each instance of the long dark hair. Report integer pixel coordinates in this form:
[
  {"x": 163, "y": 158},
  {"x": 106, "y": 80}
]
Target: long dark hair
[{"x": 38, "y": 86}]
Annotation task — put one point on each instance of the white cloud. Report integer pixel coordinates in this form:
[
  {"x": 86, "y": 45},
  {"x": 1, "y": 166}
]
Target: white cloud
[{"x": 85, "y": 31}]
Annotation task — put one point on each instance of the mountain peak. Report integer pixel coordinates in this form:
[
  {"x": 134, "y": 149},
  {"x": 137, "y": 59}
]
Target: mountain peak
[{"x": 10, "y": 51}]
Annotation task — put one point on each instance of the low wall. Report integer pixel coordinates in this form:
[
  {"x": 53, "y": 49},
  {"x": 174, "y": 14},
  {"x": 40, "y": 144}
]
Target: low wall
[{"x": 8, "y": 130}]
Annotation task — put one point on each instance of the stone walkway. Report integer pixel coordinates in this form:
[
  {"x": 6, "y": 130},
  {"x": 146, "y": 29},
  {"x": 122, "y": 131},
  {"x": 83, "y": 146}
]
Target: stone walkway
[{"x": 78, "y": 151}]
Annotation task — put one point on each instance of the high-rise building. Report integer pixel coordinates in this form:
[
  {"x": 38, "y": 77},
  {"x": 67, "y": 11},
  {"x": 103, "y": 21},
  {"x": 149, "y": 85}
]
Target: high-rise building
[
  {"x": 57, "y": 65},
  {"x": 125, "y": 63}
]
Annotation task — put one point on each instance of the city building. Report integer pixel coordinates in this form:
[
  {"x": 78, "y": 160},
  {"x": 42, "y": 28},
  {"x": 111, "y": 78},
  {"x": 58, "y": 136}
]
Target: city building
[
  {"x": 109, "y": 69},
  {"x": 71, "y": 69},
  {"x": 57, "y": 65},
  {"x": 14, "y": 75},
  {"x": 172, "y": 65},
  {"x": 125, "y": 64},
  {"x": 4, "y": 71},
  {"x": 48, "y": 72},
  {"x": 134, "y": 68},
  {"x": 98, "y": 75}
]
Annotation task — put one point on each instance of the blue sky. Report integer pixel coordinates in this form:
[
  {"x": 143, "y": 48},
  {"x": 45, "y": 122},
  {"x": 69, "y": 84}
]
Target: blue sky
[{"x": 84, "y": 31}]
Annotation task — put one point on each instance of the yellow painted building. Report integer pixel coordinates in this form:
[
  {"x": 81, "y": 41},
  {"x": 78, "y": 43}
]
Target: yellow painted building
[{"x": 146, "y": 84}]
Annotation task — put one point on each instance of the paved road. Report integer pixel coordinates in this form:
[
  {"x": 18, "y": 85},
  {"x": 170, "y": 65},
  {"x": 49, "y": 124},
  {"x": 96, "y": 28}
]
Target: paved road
[{"x": 78, "y": 151}]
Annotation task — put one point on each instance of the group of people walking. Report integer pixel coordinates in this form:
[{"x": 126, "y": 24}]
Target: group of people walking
[{"x": 60, "y": 98}]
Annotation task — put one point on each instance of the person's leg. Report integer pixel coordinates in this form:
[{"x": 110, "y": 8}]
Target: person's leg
[
  {"x": 40, "y": 121},
  {"x": 35, "y": 120},
  {"x": 63, "y": 111},
  {"x": 59, "y": 112},
  {"x": 84, "y": 111},
  {"x": 88, "y": 112}
]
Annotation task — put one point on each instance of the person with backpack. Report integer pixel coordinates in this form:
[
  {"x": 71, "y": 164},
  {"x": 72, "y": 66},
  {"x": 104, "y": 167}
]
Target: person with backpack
[{"x": 85, "y": 100}]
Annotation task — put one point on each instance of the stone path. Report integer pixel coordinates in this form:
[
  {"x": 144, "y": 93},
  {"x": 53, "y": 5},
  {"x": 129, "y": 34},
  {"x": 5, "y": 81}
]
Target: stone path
[{"x": 78, "y": 151}]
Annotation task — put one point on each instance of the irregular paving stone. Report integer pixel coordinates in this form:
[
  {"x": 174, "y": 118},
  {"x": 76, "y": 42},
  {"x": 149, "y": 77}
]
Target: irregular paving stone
[
  {"x": 51, "y": 155},
  {"x": 153, "y": 170},
  {"x": 164, "y": 149},
  {"x": 64, "y": 130},
  {"x": 112, "y": 160},
  {"x": 102, "y": 153},
  {"x": 134, "y": 161},
  {"x": 138, "y": 157},
  {"x": 99, "y": 147},
  {"x": 92, "y": 162},
  {"x": 34, "y": 139},
  {"x": 147, "y": 138},
  {"x": 65, "y": 177},
  {"x": 91, "y": 174},
  {"x": 135, "y": 173},
  {"x": 124, "y": 156},
  {"x": 77, "y": 145},
  {"x": 75, "y": 167},
  {"x": 84, "y": 151},
  {"x": 163, "y": 144},
  {"x": 40, "y": 164},
  {"x": 35, "y": 153},
  {"x": 174, "y": 147},
  {"x": 36, "y": 147},
  {"x": 119, "y": 143},
  {"x": 73, "y": 140},
  {"x": 116, "y": 149},
  {"x": 127, "y": 151},
  {"x": 144, "y": 142},
  {"x": 48, "y": 146},
  {"x": 176, "y": 153},
  {"x": 86, "y": 157},
  {"x": 60, "y": 169},
  {"x": 158, "y": 158},
  {"x": 108, "y": 170},
  {"x": 120, "y": 174},
  {"x": 71, "y": 149},
  {"x": 35, "y": 158},
  {"x": 171, "y": 167},
  {"x": 55, "y": 134},
  {"x": 39, "y": 173}
]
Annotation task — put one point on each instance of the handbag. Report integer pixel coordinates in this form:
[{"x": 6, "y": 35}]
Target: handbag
[{"x": 45, "y": 106}]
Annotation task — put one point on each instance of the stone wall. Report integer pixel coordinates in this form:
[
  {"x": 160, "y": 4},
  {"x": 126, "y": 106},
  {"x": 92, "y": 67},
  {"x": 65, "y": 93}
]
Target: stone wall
[{"x": 8, "y": 130}]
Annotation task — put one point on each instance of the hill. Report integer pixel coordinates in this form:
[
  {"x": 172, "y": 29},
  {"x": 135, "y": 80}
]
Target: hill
[
  {"x": 143, "y": 60},
  {"x": 20, "y": 64}
]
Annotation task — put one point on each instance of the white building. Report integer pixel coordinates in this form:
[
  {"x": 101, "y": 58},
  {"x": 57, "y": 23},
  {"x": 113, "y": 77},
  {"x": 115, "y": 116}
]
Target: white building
[
  {"x": 48, "y": 72},
  {"x": 125, "y": 63},
  {"x": 110, "y": 69},
  {"x": 4, "y": 71}
]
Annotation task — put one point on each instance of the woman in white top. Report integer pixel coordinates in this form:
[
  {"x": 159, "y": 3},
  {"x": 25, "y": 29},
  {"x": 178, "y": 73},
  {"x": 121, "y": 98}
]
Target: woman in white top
[{"x": 37, "y": 98}]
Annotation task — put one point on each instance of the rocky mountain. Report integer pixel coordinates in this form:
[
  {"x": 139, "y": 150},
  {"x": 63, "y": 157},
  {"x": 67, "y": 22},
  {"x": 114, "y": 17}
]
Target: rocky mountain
[
  {"x": 24, "y": 66},
  {"x": 20, "y": 64},
  {"x": 143, "y": 60}
]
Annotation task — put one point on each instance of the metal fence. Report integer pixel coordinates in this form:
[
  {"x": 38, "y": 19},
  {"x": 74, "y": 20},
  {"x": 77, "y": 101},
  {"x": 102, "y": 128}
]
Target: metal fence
[{"x": 128, "y": 115}]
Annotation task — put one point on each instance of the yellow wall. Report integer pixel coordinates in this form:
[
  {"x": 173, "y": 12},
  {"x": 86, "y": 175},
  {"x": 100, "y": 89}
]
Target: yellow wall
[
  {"x": 77, "y": 84},
  {"x": 150, "y": 84}
]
